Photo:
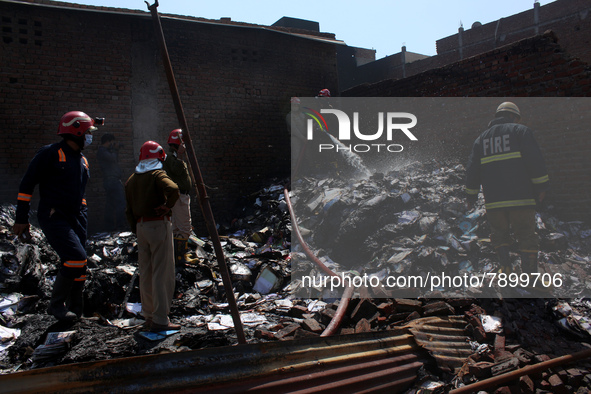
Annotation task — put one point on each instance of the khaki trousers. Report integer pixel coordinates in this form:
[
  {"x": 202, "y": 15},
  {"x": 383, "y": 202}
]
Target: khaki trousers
[
  {"x": 181, "y": 217},
  {"x": 156, "y": 265}
]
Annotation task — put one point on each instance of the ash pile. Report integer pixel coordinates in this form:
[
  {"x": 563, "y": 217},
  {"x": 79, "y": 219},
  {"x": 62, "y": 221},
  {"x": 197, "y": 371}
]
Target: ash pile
[
  {"x": 413, "y": 222},
  {"x": 420, "y": 223}
]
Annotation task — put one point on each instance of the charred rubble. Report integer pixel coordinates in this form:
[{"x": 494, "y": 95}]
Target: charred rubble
[
  {"x": 413, "y": 220},
  {"x": 421, "y": 223}
]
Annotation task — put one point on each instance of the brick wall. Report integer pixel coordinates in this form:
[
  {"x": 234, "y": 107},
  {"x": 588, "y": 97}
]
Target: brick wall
[
  {"x": 235, "y": 82},
  {"x": 534, "y": 67}
]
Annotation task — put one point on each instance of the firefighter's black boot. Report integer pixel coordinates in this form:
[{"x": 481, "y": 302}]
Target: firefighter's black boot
[{"x": 59, "y": 295}]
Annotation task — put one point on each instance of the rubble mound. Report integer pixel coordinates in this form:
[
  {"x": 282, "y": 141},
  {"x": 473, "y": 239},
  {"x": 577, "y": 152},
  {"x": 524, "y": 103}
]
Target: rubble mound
[
  {"x": 416, "y": 220},
  {"x": 413, "y": 221}
]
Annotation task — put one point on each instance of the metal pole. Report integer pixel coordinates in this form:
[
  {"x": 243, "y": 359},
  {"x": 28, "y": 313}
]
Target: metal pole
[{"x": 201, "y": 191}]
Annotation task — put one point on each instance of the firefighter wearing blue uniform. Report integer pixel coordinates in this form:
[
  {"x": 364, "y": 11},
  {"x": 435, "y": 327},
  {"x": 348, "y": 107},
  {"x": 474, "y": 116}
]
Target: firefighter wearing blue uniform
[
  {"x": 508, "y": 163},
  {"x": 61, "y": 171}
]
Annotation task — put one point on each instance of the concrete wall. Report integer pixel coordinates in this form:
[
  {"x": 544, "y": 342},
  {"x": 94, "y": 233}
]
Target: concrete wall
[
  {"x": 391, "y": 67},
  {"x": 235, "y": 83},
  {"x": 534, "y": 67},
  {"x": 569, "y": 19},
  {"x": 349, "y": 61}
]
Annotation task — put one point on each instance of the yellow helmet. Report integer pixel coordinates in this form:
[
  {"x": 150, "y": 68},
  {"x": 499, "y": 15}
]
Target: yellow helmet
[{"x": 508, "y": 106}]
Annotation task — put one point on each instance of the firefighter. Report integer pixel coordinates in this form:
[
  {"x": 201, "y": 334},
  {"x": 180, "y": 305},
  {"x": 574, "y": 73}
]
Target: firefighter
[
  {"x": 508, "y": 163},
  {"x": 62, "y": 172},
  {"x": 150, "y": 195},
  {"x": 177, "y": 170}
]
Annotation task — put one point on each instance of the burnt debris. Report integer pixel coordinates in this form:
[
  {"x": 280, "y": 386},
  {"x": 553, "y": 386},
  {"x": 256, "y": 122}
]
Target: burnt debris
[{"x": 421, "y": 223}]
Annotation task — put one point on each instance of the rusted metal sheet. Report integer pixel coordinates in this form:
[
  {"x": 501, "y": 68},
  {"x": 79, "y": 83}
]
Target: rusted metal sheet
[
  {"x": 445, "y": 338},
  {"x": 368, "y": 362}
]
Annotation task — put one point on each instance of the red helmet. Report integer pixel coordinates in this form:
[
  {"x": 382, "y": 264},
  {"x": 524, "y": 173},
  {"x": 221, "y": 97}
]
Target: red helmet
[
  {"x": 324, "y": 93},
  {"x": 76, "y": 123},
  {"x": 152, "y": 150},
  {"x": 175, "y": 137}
]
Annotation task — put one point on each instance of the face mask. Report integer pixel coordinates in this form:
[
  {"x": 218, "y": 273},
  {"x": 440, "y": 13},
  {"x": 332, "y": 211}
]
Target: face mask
[{"x": 87, "y": 140}]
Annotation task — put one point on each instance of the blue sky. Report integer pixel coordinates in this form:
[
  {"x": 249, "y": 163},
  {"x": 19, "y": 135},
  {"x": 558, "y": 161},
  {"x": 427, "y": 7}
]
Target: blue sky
[{"x": 383, "y": 25}]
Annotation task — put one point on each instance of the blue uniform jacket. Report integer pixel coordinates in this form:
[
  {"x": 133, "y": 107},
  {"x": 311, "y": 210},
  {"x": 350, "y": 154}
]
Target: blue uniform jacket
[{"x": 62, "y": 174}]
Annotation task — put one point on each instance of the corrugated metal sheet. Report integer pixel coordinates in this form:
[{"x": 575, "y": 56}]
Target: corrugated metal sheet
[
  {"x": 445, "y": 338},
  {"x": 385, "y": 361}
]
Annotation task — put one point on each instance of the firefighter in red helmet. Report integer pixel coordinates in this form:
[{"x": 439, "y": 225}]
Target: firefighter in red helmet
[
  {"x": 177, "y": 170},
  {"x": 62, "y": 172}
]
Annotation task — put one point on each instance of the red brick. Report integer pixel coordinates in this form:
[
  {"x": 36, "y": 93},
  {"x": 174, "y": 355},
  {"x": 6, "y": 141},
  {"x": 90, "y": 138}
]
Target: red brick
[
  {"x": 557, "y": 384},
  {"x": 312, "y": 325},
  {"x": 362, "y": 326},
  {"x": 526, "y": 385},
  {"x": 287, "y": 331}
]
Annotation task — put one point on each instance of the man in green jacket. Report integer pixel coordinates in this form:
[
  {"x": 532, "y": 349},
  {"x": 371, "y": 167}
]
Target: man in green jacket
[
  {"x": 150, "y": 195},
  {"x": 178, "y": 171}
]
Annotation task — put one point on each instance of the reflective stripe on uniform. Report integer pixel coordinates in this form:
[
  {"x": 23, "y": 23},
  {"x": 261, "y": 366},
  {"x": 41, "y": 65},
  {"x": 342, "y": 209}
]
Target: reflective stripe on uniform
[
  {"x": 85, "y": 162},
  {"x": 83, "y": 201},
  {"x": 62, "y": 155},
  {"x": 75, "y": 264},
  {"x": 80, "y": 279},
  {"x": 509, "y": 204},
  {"x": 542, "y": 179},
  {"x": 24, "y": 197},
  {"x": 472, "y": 191},
  {"x": 504, "y": 156}
]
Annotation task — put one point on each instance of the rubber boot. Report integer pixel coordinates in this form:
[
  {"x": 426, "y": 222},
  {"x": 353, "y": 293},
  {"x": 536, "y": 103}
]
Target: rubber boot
[
  {"x": 76, "y": 301},
  {"x": 504, "y": 260},
  {"x": 59, "y": 295}
]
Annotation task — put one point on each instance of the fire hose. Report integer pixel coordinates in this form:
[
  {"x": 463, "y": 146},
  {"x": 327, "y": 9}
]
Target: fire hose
[{"x": 336, "y": 321}]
